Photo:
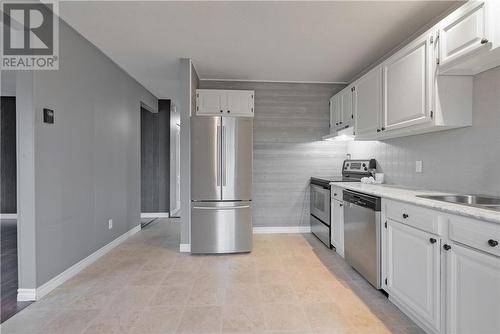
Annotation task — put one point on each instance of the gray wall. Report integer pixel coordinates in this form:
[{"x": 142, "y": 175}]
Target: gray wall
[
  {"x": 155, "y": 159},
  {"x": 290, "y": 120},
  {"x": 26, "y": 227},
  {"x": 189, "y": 84},
  {"x": 460, "y": 160},
  {"x": 86, "y": 166},
  {"x": 175, "y": 123},
  {"x": 8, "y": 164},
  {"x": 8, "y": 83}
]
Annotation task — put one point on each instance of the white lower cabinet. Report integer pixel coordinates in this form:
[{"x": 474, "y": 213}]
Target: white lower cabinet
[
  {"x": 472, "y": 291},
  {"x": 413, "y": 273},
  {"x": 337, "y": 227},
  {"x": 442, "y": 270}
]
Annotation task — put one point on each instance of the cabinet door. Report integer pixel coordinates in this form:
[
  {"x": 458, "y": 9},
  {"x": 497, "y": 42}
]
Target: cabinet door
[
  {"x": 464, "y": 32},
  {"x": 345, "y": 111},
  {"x": 413, "y": 271},
  {"x": 334, "y": 109},
  {"x": 408, "y": 85},
  {"x": 337, "y": 226},
  {"x": 240, "y": 103},
  {"x": 368, "y": 103},
  {"x": 473, "y": 291},
  {"x": 210, "y": 102}
]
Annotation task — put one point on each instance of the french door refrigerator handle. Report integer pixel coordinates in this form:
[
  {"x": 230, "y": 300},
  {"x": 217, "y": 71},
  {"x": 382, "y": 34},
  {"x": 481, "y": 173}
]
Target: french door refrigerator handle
[
  {"x": 224, "y": 167},
  {"x": 218, "y": 155},
  {"x": 221, "y": 207}
]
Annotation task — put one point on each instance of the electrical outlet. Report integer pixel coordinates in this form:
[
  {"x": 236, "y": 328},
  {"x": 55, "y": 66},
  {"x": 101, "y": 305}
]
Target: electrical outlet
[
  {"x": 418, "y": 166},
  {"x": 110, "y": 224}
]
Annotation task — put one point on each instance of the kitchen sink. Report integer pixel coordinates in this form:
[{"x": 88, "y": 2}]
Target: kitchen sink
[{"x": 485, "y": 202}]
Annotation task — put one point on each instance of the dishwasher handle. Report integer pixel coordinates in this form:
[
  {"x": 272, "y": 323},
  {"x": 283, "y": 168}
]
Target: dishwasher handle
[{"x": 363, "y": 200}]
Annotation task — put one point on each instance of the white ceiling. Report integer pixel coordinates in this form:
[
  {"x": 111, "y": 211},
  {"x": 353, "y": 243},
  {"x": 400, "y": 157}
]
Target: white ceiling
[{"x": 268, "y": 41}]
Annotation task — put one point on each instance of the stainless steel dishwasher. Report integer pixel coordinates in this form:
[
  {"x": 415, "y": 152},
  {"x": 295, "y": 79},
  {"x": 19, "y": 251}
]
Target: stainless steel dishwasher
[{"x": 362, "y": 235}]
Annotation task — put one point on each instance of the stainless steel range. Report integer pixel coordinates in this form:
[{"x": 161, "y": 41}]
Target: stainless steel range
[{"x": 352, "y": 171}]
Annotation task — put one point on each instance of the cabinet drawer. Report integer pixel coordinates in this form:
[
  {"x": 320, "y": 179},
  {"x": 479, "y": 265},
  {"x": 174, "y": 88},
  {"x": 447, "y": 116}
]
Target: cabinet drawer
[
  {"x": 477, "y": 234},
  {"x": 421, "y": 218}
]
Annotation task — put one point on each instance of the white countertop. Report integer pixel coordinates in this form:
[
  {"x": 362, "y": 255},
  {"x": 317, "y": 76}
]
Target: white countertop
[{"x": 409, "y": 195}]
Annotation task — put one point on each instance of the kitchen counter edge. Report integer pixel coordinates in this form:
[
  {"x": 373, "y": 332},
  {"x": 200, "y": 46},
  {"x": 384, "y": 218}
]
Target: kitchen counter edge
[{"x": 410, "y": 196}]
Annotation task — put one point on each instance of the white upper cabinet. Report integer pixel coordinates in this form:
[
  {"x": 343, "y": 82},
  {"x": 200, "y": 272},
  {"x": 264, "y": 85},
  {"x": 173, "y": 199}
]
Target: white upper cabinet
[
  {"x": 473, "y": 291},
  {"x": 341, "y": 110},
  {"x": 408, "y": 82},
  {"x": 345, "y": 116},
  {"x": 413, "y": 272},
  {"x": 240, "y": 103},
  {"x": 469, "y": 38},
  {"x": 367, "y": 103},
  {"x": 210, "y": 102},
  {"x": 334, "y": 110},
  {"x": 463, "y": 32}
]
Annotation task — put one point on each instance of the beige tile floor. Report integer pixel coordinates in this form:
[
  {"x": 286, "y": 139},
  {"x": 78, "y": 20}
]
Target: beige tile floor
[{"x": 288, "y": 284}]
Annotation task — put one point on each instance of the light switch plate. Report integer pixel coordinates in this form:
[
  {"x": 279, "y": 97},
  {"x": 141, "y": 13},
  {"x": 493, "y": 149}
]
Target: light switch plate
[
  {"x": 418, "y": 166},
  {"x": 110, "y": 224}
]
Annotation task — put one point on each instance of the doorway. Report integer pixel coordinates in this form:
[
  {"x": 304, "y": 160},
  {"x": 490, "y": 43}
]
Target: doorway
[
  {"x": 155, "y": 162},
  {"x": 8, "y": 199}
]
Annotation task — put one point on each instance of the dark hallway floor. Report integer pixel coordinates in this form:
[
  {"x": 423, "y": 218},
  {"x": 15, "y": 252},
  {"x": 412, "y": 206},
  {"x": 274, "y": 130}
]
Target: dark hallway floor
[{"x": 8, "y": 270}]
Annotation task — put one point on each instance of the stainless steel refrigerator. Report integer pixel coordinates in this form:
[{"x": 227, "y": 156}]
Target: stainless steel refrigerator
[{"x": 221, "y": 184}]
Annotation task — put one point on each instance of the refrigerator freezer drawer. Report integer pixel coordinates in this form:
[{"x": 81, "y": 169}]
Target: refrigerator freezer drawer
[
  {"x": 321, "y": 230},
  {"x": 221, "y": 227}
]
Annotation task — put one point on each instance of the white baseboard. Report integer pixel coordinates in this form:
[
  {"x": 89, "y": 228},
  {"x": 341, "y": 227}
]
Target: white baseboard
[
  {"x": 175, "y": 212},
  {"x": 281, "y": 229},
  {"x": 185, "y": 248},
  {"x": 154, "y": 215},
  {"x": 8, "y": 215},
  {"x": 36, "y": 294},
  {"x": 26, "y": 295}
]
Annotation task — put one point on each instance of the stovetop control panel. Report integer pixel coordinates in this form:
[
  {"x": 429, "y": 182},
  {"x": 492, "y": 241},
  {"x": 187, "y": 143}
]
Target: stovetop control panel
[{"x": 358, "y": 167}]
